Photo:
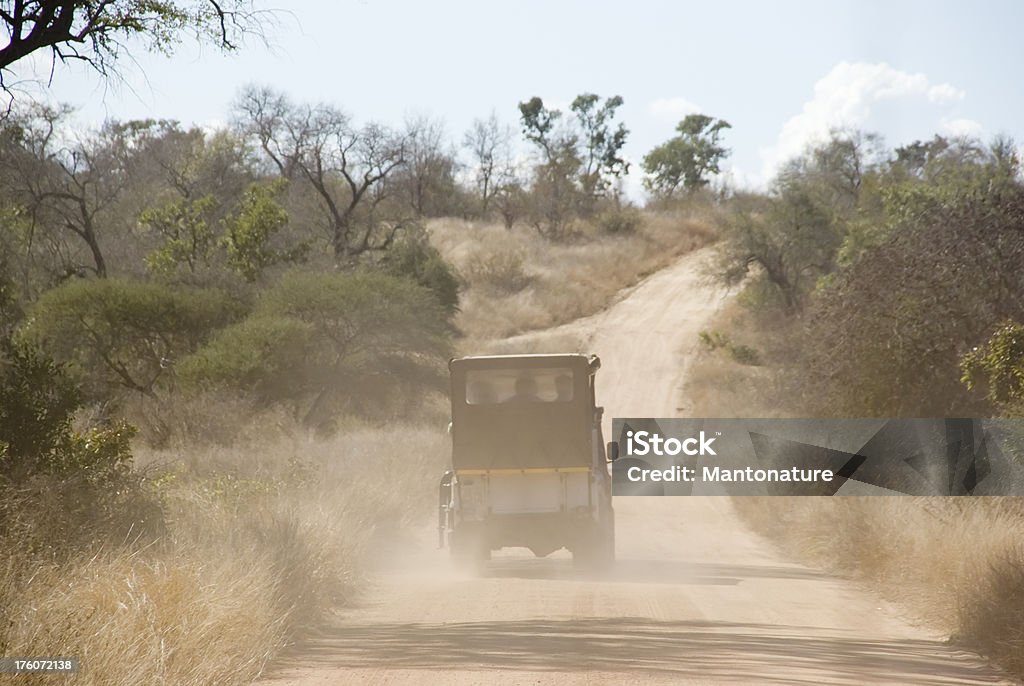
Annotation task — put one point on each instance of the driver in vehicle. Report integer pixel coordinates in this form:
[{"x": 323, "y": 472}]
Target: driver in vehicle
[{"x": 526, "y": 390}]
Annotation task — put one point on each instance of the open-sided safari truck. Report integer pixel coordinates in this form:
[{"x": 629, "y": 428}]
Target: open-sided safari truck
[{"x": 528, "y": 459}]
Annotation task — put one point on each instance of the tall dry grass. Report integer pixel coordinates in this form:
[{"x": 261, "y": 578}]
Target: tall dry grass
[
  {"x": 261, "y": 540},
  {"x": 722, "y": 384},
  {"x": 268, "y": 527},
  {"x": 955, "y": 564},
  {"x": 518, "y": 282}
]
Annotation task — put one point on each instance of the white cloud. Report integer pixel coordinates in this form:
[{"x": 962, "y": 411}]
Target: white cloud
[
  {"x": 672, "y": 109},
  {"x": 944, "y": 92},
  {"x": 961, "y": 127},
  {"x": 845, "y": 97}
]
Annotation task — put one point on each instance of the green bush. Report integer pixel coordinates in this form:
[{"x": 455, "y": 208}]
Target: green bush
[
  {"x": 37, "y": 400},
  {"x": 119, "y": 335},
  {"x": 415, "y": 258},
  {"x": 886, "y": 335},
  {"x": 264, "y": 355},
  {"x": 362, "y": 342},
  {"x": 251, "y": 235},
  {"x": 744, "y": 354},
  {"x": 60, "y": 489},
  {"x": 998, "y": 367},
  {"x": 715, "y": 340}
]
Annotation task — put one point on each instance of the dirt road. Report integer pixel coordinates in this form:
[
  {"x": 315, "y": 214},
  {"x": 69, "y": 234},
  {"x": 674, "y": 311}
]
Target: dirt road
[{"x": 694, "y": 599}]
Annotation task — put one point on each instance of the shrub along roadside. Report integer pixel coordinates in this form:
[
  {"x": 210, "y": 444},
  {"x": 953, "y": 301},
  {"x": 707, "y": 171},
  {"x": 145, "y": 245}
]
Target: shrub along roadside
[
  {"x": 120, "y": 337},
  {"x": 61, "y": 489},
  {"x": 331, "y": 344},
  {"x": 955, "y": 563},
  {"x": 173, "y": 574}
]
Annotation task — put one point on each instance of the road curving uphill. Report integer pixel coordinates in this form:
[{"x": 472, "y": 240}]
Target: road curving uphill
[{"x": 695, "y": 598}]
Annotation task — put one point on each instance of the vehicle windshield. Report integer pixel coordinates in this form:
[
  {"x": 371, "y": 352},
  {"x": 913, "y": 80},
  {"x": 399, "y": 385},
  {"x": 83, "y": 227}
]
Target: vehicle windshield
[{"x": 498, "y": 386}]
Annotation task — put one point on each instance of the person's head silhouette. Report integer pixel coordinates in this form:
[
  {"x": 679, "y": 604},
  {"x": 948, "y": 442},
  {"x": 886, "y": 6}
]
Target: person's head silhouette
[{"x": 526, "y": 389}]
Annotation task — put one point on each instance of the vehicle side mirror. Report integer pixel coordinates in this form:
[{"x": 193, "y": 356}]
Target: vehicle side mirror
[{"x": 612, "y": 451}]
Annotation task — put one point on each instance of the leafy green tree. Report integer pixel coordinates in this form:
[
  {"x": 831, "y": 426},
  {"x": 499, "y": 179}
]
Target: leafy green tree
[
  {"x": 37, "y": 405},
  {"x": 688, "y": 159},
  {"x": 788, "y": 240},
  {"x": 121, "y": 335},
  {"x": 601, "y": 143},
  {"x": 250, "y": 233},
  {"x": 43, "y": 460},
  {"x": 188, "y": 238},
  {"x": 877, "y": 198},
  {"x": 327, "y": 343},
  {"x": 580, "y": 158},
  {"x": 998, "y": 367},
  {"x": 541, "y": 127},
  {"x": 97, "y": 32},
  {"x": 554, "y": 193}
]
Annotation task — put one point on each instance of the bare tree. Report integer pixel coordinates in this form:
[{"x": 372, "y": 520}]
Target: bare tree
[
  {"x": 345, "y": 166},
  {"x": 490, "y": 148},
  {"x": 427, "y": 179},
  {"x": 66, "y": 184}
]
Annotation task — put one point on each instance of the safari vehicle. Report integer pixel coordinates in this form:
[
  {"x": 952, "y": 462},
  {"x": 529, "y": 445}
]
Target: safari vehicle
[{"x": 528, "y": 466}]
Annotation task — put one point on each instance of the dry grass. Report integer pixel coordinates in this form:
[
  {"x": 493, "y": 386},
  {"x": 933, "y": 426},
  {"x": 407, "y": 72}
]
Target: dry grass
[
  {"x": 132, "y": 619},
  {"x": 958, "y": 565},
  {"x": 518, "y": 282},
  {"x": 262, "y": 539},
  {"x": 267, "y": 527},
  {"x": 955, "y": 564},
  {"x": 719, "y": 385}
]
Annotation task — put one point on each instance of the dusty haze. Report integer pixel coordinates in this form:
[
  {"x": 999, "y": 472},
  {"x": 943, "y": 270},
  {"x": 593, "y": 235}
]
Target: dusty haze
[{"x": 695, "y": 597}]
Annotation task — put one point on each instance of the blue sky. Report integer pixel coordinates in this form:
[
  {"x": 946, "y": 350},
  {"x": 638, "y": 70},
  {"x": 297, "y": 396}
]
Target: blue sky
[{"x": 781, "y": 73}]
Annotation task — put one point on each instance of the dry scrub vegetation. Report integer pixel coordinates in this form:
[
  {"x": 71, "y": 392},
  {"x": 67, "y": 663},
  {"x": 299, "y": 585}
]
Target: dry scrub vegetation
[
  {"x": 261, "y": 542},
  {"x": 267, "y": 523},
  {"x": 516, "y": 282},
  {"x": 882, "y": 282},
  {"x": 723, "y": 382},
  {"x": 957, "y": 565}
]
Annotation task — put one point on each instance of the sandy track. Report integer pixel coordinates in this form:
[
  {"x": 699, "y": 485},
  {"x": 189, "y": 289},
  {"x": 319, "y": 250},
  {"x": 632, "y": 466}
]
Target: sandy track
[{"x": 694, "y": 599}]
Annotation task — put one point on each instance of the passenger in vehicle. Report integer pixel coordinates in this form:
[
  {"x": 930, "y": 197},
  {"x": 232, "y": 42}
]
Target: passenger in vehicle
[{"x": 526, "y": 390}]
